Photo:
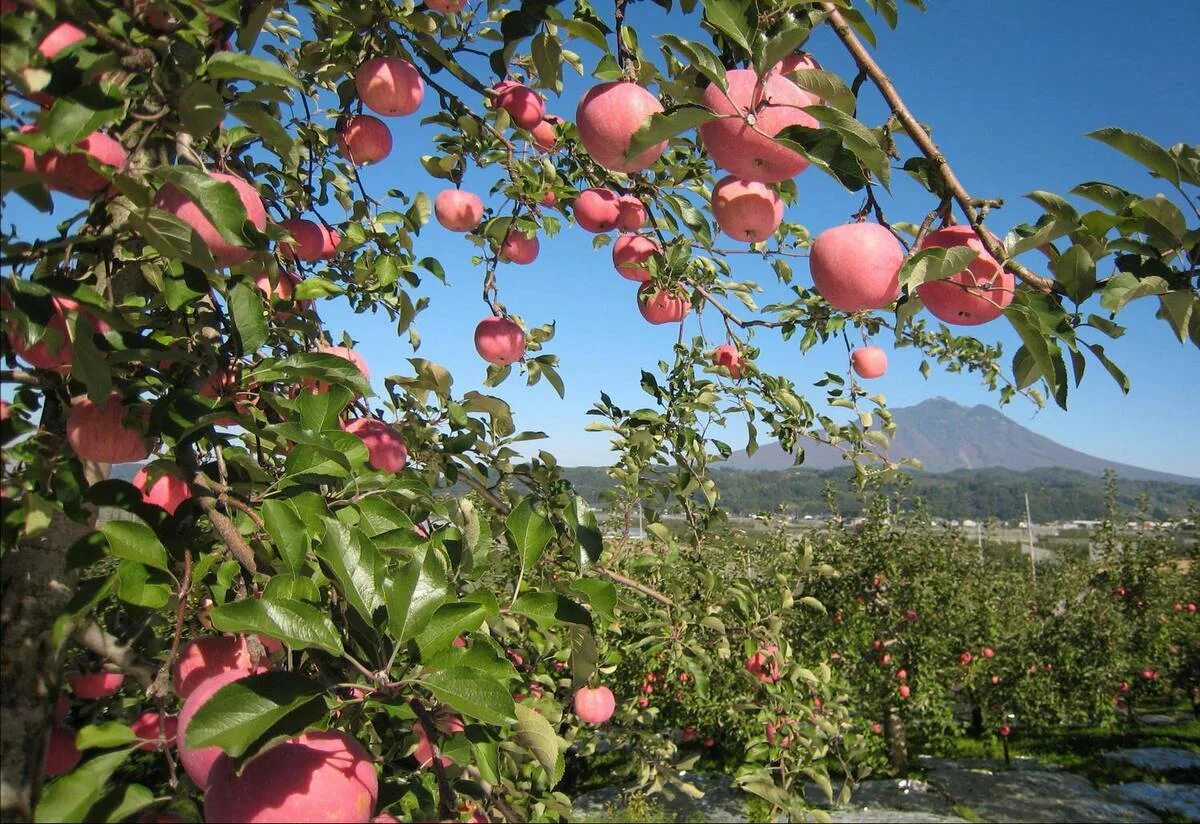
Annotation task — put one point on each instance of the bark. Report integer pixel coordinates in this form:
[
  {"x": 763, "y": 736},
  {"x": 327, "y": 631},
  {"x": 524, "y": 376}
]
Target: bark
[
  {"x": 34, "y": 589},
  {"x": 897, "y": 745}
]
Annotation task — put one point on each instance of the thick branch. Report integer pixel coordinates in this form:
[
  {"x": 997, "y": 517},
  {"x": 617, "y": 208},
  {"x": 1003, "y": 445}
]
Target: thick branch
[
  {"x": 925, "y": 143},
  {"x": 94, "y": 639},
  {"x": 229, "y": 533}
]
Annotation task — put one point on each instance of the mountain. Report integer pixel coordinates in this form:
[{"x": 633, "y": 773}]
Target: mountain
[{"x": 946, "y": 436}]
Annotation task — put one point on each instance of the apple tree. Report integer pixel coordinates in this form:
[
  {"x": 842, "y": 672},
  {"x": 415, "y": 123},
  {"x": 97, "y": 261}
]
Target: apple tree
[{"x": 311, "y": 567}]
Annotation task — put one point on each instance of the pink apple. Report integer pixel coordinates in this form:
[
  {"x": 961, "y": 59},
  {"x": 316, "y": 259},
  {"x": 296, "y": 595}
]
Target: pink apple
[
  {"x": 385, "y": 450},
  {"x": 499, "y": 341},
  {"x": 856, "y": 266},
  {"x": 224, "y": 253},
  {"x": 607, "y": 117},
  {"x": 363, "y": 139},
  {"x": 727, "y": 355},
  {"x": 389, "y": 86},
  {"x": 519, "y": 247},
  {"x": 630, "y": 254},
  {"x": 167, "y": 492},
  {"x": 975, "y": 295},
  {"x": 597, "y": 210},
  {"x": 746, "y": 210},
  {"x": 457, "y": 210},
  {"x": 631, "y": 213},
  {"x": 658, "y": 306},
  {"x": 869, "y": 361},
  {"x": 522, "y": 103}
]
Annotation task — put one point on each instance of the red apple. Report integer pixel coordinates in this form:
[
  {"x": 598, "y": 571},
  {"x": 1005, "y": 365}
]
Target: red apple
[
  {"x": 1004, "y": 731},
  {"x": 689, "y": 734},
  {"x": 385, "y": 450},
  {"x": 868, "y": 361},
  {"x": 98, "y": 432},
  {"x": 208, "y": 657},
  {"x": 746, "y": 210},
  {"x": 167, "y": 492},
  {"x": 660, "y": 307},
  {"x": 61, "y": 753},
  {"x": 545, "y": 138},
  {"x": 312, "y": 240},
  {"x": 157, "y": 731},
  {"x": 764, "y": 664},
  {"x": 519, "y": 247},
  {"x": 363, "y": 139},
  {"x": 54, "y": 350},
  {"x": 597, "y": 210},
  {"x": 457, "y": 210},
  {"x": 426, "y": 750},
  {"x": 856, "y": 266},
  {"x": 445, "y": 7},
  {"x": 975, "y": 295},
  {"x": 499, "y": 341},
  {"x": 72, "y": 173},
  {"x": 522, "y": 103},
  {"x": 198, "y": 761},
  {"x": 607, "y": 117},
  {"x": 904, "y": 690},
  {"x": 629, "y": 256},
  {"x": 902, "y": 675},
  {"x": 995, "y": 679},
  {"x": 316, "y": 776},
  {"x": 988, "y": 652},
  {"x": 753, "y": 112},
  {"x": 59, "y": 38},
  {"x": 390, "y": 86},
  {"x": 224, "y": 253},
  {"x": 91, "y": 686},
  {"x": 727, "y": 355},
  {"x": 631, "y": 213},
  {"x": 594, "y": 706}
]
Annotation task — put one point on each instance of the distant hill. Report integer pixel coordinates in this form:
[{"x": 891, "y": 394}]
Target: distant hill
[
  {"x": 1054, "y": 494},
  {"x": 946, "y": 436}
]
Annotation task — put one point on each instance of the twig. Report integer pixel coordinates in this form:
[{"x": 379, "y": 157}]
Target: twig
[
  {"x": 637, "y": 585},
  {"x": 925, "y": 143}
]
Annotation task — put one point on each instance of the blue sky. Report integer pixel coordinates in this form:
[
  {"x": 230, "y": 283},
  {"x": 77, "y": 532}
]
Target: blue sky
[{"x": 1010, "y": 89}]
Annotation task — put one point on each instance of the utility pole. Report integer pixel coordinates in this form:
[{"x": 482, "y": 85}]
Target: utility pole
[
  {"x": 1029, "y": 526},
  {"x": 979, "y": 538}
]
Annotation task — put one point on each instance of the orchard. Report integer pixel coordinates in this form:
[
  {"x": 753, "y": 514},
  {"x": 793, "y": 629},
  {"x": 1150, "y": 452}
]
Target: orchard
[{"x": 336, "y": 589}]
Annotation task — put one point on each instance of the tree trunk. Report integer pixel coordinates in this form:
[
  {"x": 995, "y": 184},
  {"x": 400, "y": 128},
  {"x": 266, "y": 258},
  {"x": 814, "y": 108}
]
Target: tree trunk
[
  {"x": 976, "y": 730},
  {"x": 34, "y": 589},
  {"x": 897, "y": 746}
]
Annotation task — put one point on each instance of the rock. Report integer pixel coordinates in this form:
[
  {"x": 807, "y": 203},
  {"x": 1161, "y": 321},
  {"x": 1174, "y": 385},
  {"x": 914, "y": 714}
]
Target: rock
[
  {"x": 888, "y": 794},
  {"x": 888, "y": 816},
  {"x": 1016, "y": 763},
  {"x": 1033, "y": 795},
  {"x": 1155, "y": 720},
  {"x": 1176, "y": 800},
  {"x": 1157, "y": 759}
]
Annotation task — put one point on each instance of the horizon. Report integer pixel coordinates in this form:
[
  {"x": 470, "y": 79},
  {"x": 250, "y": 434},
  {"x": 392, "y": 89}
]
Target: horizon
[{"x": 981, "y": 120}]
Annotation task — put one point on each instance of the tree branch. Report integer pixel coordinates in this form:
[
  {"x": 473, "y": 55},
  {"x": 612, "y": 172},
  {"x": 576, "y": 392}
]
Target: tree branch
[
  {"x": 632, "y": 584},
  {"x": 925, "y": 143}
]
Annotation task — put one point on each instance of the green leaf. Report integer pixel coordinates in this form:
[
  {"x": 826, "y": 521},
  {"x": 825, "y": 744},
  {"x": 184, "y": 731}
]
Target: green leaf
[
  {"x": 319, "y": 365},
  {"x": 1177, "y": 308},
  {"x": 241, "y": 713},
  {"x": 699, "y": 56},
  {"x": 1124, "y": 287},
  {"x": 230, "y": 65},
  {"x": 141, "y": 586},
  {"x": 104, "y": 736},
  {"x": 473, "y": 693},
  {"x": 729, "y": 17},
  {"x": 321, "y": 410},
  {"x": 70, "y": 797},
  {"x": 218, "y": 200},
  {"x": 791, "y": 36},
  {"x": 857, "y": 138},
  {"x": 1142, "y": 149},
  {"x": 584, "y": 29},
  {"x": 121, "y": 803},
  {"x": 1076, "y": 271},
  {"x": 830, "y": 88},
  {"x": 246, "y": 305},
  {"x": 450, "y": 621},
  {"x": 602, "y": 595},
  {"x": 296, "y": 624},
  {"x": 537, "y": 735},
  {"x": 528, "y": 532},
  {"x": 287, "y": 531},
  {"x": 547, "y": 59},
  {"x": 483, "y": 654},
  {"x": 414, "y": 594},
  {"x": 1110, "y": 367},
  {"x": 134, "y": 541},
  {"x": 584, "y": 655},
  {"x": 356, "y": 564},
  {"x": 549, "y": 608},
  {"x": 665, "y": 125},
  {"x": 934, "y": 263},
  {"x": 589, "y": 540},
  {"x": 200, "y": 109}
]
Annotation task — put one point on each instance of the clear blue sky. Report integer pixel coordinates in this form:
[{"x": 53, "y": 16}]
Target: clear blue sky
[{"x": 1010, "y": 88}]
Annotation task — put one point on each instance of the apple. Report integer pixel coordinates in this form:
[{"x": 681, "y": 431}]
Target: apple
[
  {"x": 885, "y": 659},
  {"x": 545, "y": 137},
  {"x": 72, "y": 173},
  {"x": 904, "y": 690},
  {"x": 172, "y": 200},
  {"x": 54, "y": 350},
  {"x": 426, "y": 750},
  {"x": 975, "y": 295},
  {"x": 643, "y": 702},
  {"x": 594, "y": 705},
  {"x": 965, "y": 659},
  {"x": 167, "y": 492},
  {"x": 457, "y": 210},
  {"x": 390, "y": 86},
  {"x": 1004, "y": 731},
  {"x": 91, "y": 686},
  {"x": 385, "y": 450},
  {"x": 61, "y": 753},
  {"x": 156, "y": 730},
  {"x": 746, "y": 210},
  {"x": 98, "y": 432},
  {"x": 316, "y": 776},
  {"x": 59, "y": 38},
  {"x": 868, "y": 361},
  {"x": 631, "y": 213},
  {"x": 988, "y": 652},
  {"x": 445, "y": 7},
  {"x": 209, "y": 657},
  {"x": 727, "y": 355},
  {"x": 856, "y": 266},
  {"x": 597, "y": 210},
  {"x": 791, "y": 67},
  {"x": 519, "y": 247},
  {"x": 689, "y": 734},
  {"x": 660, "y": 307},
  {"x": 629, "y": 256},
  {"x": 198, "y": 761},
  {"x": 363, "y": 139},
  {"x": 764, "y": 664},
  {"x": 607, "y": 117},
  {"x": 313, "y": 241},
  {"x": 522, "y": 103},
  {"x": 499, "y": 341},
  {"x": 752, "y": 112},
  {"x": 876, "y": 728},
  {"x": 549, "y": 199},
  {"x": 902, "y": 675},
  {"x": 388, "y": 818},
  {"x": 995, "y": 679},
  {"x": 346, "y": 353}
]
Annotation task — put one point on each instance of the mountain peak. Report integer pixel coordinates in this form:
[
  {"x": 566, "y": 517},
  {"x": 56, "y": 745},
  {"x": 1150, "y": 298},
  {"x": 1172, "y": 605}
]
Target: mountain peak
[{"x": 945, "y": 435}]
